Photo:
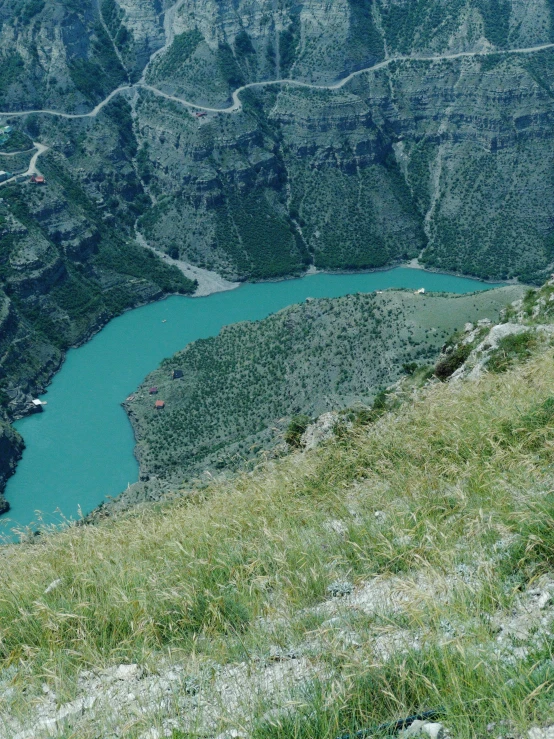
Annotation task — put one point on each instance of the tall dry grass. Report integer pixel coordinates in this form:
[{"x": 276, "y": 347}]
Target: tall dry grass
[{"x": 227, "y": 571}]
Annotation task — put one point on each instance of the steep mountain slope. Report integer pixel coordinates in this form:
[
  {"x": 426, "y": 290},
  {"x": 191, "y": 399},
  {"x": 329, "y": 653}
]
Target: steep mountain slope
[
  {"x": 447, "y": 158},
  {"x": 442, "y": 148},
  {"x": 67, "y": 266},
  {"x": 61, "y": 55},
  {"x": 412, "y": 157}
]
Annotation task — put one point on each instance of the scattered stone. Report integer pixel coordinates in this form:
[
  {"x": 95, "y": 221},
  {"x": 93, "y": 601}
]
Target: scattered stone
[
  {"x": 127, "y": 672},
  {"x": 424, "y": 728},
  {"x": 191, "y": 685},
  {"x": 414, "y": 729},
  {"x": 335, "y": 526},
  {"x": 541, "y": 597},
  {"x": 75, "y": 708},
  {"x": 280, "y": 655},
  {"x": 53, "y": 585},
  {"x": 538, "y": 733},
  {"x": 151, "y": 734},
  {"x": 340, "y": 588},
  {"x": 433, "y": 730}
]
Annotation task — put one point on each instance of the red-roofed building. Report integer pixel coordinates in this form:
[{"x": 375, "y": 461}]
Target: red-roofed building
[{"x": 159, "y": 404}]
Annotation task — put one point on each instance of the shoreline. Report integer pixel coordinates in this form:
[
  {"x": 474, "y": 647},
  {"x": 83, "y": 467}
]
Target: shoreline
[
  {"x": 412, "y": 264},
  {"x": 214, "y": 283}
]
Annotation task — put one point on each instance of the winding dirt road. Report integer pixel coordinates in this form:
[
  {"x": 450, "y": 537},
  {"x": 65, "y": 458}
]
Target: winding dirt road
[
  {"x": 237, "y": 105},
  {"x": 205, "y": 278},
  {"x": 92, "y": 114},
  {"x": 32, "y": 168}
]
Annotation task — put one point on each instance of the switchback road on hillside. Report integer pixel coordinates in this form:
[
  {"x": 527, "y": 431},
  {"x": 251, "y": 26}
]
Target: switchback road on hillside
[
  {"x": 237, "y": 105},
  {"x": 32, "y": 168},
  {"x": 92, "y": 114}
]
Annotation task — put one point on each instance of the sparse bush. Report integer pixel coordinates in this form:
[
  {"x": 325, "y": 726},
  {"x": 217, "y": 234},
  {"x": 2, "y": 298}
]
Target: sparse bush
[
  {"x": 295, "y": 429},
  {"x": 409, "y": 367},
  {"x": 448, "y": 364}
]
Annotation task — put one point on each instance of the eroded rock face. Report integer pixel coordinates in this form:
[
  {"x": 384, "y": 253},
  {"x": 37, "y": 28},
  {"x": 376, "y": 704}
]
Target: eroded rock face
[
  {"x": 11, "y": 448},
  {"x": 429, "y": 149},
  {"x": 320, "y": 431},
  {"x": 416, "y": 157}
]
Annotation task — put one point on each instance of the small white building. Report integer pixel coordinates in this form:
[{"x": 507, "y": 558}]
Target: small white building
[{"x": 421, "y": 291}]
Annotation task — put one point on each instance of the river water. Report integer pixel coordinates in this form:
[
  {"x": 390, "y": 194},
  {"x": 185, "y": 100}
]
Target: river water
[{"x": 80, "y": 450}]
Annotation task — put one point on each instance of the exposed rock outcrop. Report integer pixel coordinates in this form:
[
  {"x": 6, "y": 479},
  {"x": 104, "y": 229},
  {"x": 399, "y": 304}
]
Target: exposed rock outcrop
[{"x": 11, "y": 448}]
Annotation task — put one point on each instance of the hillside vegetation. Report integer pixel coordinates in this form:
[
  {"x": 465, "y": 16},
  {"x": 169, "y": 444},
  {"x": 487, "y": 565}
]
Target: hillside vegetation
[
  {"x": 239, "y": 389},
  {"x": 405, "y": 565}
]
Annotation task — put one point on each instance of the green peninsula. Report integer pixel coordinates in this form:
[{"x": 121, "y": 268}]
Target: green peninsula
[{"x": 239, "y": 390}]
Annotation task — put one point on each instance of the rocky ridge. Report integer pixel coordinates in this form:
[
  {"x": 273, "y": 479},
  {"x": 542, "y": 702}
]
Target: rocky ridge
[{"x": 407, "y": 139}]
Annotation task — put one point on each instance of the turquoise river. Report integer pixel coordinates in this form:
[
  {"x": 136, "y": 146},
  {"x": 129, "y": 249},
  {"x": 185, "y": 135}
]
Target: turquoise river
[{"x": 80, "y": 450}]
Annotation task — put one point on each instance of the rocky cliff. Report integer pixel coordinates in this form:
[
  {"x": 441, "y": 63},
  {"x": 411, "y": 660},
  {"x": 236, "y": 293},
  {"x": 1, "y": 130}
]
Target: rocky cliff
[
  {"x": 11, "y": 448},
  {"x": 66, "y": 268},
  {"x": 447, "y": 159},
  {"x": 418, "y": 156}
]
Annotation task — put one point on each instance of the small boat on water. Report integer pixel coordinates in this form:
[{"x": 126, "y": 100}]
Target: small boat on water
[{"x": 164, "y": 320}]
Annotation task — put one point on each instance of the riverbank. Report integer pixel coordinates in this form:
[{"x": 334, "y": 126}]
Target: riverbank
[
  {"x": 208, "y": 282},
  {"x": 416, "y": 264},
  {"x": 21, "y": 406},
  {"x": 83, "y": 443}
]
